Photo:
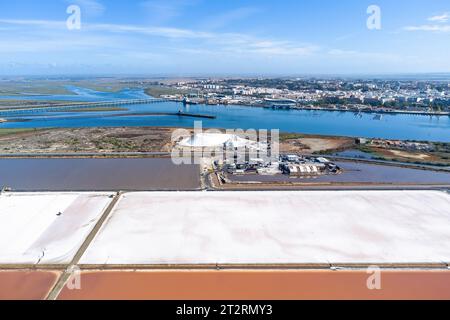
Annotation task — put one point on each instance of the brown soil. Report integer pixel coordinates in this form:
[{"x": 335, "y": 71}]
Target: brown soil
[
  {"x": 438, "y": 158},
  {"x": 400, "y": 154},
  {"x": 101, "y": 140},
  {"x": 315, "y": 144},
  {"x": 130, "y": 139},
  {"x": 259, "y": 285}
]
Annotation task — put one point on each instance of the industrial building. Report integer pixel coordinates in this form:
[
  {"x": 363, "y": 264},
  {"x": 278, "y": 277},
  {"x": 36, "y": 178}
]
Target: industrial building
[
  {"x": 280, "y": 103},
  {"x": 293, "y": 165}
]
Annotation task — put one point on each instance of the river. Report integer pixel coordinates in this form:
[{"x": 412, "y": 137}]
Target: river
[{"x": 400, "y": 126}]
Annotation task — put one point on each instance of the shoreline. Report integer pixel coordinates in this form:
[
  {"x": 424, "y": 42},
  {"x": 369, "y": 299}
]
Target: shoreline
[
  {"x": 167, "y": 155},
  {"x": 393, "y": 112},
  {"x": 143, "y": 142},
  {"x": 50, "y": 104}
]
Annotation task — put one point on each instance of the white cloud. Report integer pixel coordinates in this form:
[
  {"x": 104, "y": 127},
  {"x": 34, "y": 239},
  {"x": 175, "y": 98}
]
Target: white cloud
[
  {"x": 437, "y": 26},
  {"x": 429, "y": 28},
  {"x": 161, "y": 11},
  {"x": 115, "y": 28},
  {"x": 36, "y": 23},
  {"x": 153, "y": 31},
  {"x": 226, "y": 18},
  {"x": 90, "y": 7},
  {"x": 440, "y": 18},
  {"x": 226, "y": 42}
]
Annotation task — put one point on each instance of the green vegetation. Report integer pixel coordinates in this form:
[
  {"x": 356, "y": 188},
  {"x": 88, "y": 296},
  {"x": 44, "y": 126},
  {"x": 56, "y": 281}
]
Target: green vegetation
[
  {"x": 23, "y": 104},
  {"x": 290, "y": 136},
  {"x": 59, "y": 86},
  {"x": 104, "y": 85},
  {"x": 5, "y": 132},
  {"x": 116, "y": 143},
  {"x": 158, "y": 91},
  {"x": 366, "y": 149},
  {"x": 18, "y": 88}
]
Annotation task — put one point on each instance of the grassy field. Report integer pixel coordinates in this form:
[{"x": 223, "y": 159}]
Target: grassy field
[
  {"x": 5, "y": 132},
  {"x": 17, "y": 88},
  {"x": 158, "y": 91},
  {"x": 290, "y": 136},
  {"x": 20, "y": 87},
  {"x": 58, "y": 87},
  {"x": 24, "y": 104}
]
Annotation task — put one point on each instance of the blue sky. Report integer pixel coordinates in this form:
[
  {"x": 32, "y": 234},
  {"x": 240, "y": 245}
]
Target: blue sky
[{"x": 212, "y": 37}]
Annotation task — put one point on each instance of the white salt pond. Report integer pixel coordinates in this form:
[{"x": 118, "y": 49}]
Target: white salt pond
[
  {"x": 305, "y": 227},
  {"x": 215, "y": 140},
  {"x": 46, "y": 228}
]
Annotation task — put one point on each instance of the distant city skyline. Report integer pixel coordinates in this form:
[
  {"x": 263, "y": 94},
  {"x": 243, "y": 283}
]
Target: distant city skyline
[{"x": 199, "y": 37}]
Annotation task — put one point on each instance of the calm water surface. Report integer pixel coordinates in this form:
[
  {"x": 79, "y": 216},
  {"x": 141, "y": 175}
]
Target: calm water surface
[
  {"x": 97, "y": 174},
  {"x": 411, "y": 127}
]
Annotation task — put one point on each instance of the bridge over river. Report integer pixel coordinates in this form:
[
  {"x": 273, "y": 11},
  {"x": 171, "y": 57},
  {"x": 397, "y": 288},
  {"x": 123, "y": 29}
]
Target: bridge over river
[{"x": 74, "y": 105}]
